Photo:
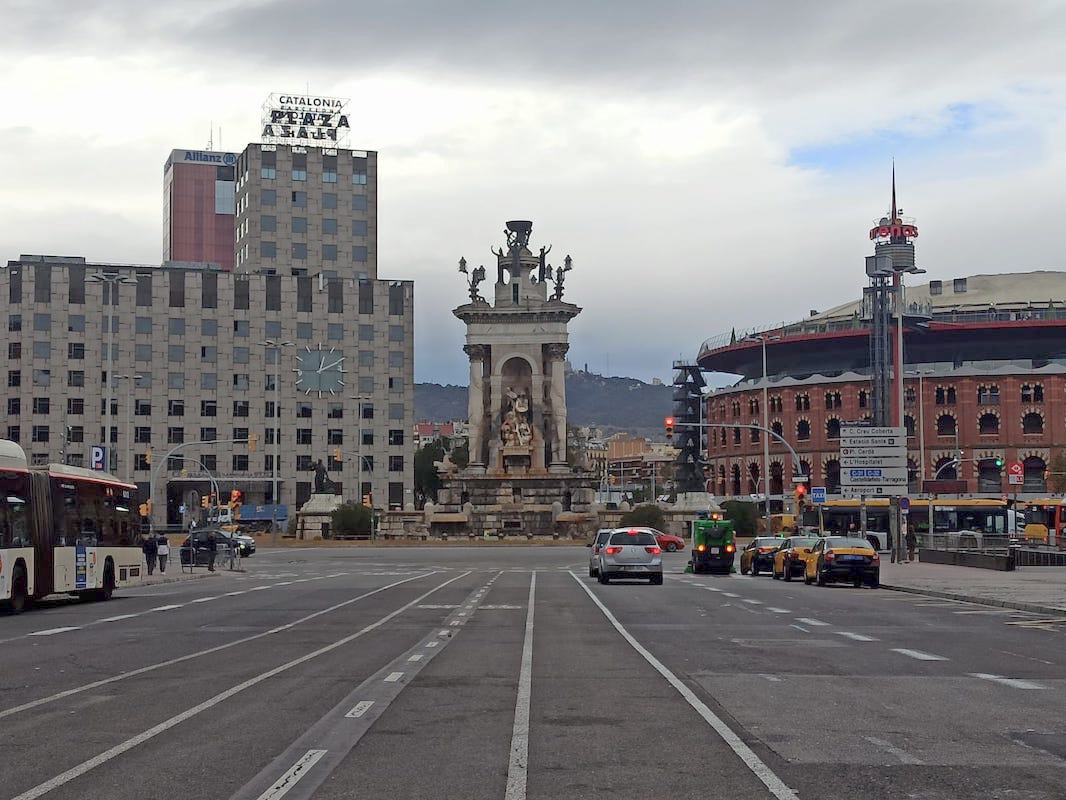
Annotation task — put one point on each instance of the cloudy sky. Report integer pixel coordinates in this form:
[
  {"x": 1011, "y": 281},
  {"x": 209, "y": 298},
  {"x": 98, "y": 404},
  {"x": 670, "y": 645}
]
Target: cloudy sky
[{"x": 708, "y": 164}]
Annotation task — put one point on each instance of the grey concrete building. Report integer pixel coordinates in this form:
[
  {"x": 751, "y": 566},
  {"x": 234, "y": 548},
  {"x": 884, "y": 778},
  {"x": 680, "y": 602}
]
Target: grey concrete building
[{"x": 188, "y": 364}]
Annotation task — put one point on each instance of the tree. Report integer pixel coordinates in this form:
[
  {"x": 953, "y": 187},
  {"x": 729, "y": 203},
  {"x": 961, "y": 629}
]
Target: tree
[
  {"x": 646, "y": 516},
  {"x": 427, "y": 481},
  {"x": 744, "y": 515},
  {"x": 350, "y": 520}
]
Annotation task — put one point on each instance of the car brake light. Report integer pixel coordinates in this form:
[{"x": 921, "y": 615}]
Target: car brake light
[
  {"x": 595, "y": 549},
  {"x": 766, "y": 549},
  {"x": 875, "y": 559},
  {"x": 612, "y": 550},
  {"x": 830, "y": 555},
  {"x": 701, "y": 547},
  {"x": 654, "y": 550},
  {"x": 730, "y": 549}
]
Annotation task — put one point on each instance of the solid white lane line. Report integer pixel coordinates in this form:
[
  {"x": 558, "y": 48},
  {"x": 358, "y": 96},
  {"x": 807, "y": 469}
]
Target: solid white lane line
[
  {"x": 809, "y": 621},
  {"x": 518, "y": 764},
  {"x": 359, "y": 709},
  {"x": 52, "y": 631},
  {"x": 204, "y": 599},
  {"x": 392, "y": 677},
  {"x": 119, "y": 617},
  {"x": 712, "y": 589},
  {"x": 769, "y": 778},
  {"x": 888, "y": 747},
  {"x": 773, "y": 610},
  {"x": 1014, "y": 683},
  {"x": 164, "y": 608},
  {"x": 918, "y": 654},
  {"x": 7, "y": 712},
  {"x": 729, "y": 594},
  {"x": 290, "y": 778},
  {"x": 232, "y": 594},
  {"x": 753, "y": 602},
  {"x": 86, "y": 766},
  {"x": 858, "y": 637},
  {"x": 771, "y": 678},
  {"x": 799, "y": 628}
]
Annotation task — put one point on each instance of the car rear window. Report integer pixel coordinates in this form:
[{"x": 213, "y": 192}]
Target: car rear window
[
  {"x": 805, "y": 541},
  {"x": 601, "y": 536},
  {"x": 632, "y": 537},
  {"x": 847, "y": 541},
  {"x": 766, "y": 541}
]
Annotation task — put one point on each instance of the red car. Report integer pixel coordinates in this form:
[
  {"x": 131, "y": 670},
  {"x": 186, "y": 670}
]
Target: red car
[{"x": 669, "y": 542}]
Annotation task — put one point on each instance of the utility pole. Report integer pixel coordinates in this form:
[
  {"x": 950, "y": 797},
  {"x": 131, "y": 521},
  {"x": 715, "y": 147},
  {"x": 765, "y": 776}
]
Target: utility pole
[{"x": 275, "y": 346}]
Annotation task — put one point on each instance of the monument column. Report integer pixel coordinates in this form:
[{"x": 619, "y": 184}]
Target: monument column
[
  {"x": 557, "y": 394},
  {"x": 478, "y": 353}
]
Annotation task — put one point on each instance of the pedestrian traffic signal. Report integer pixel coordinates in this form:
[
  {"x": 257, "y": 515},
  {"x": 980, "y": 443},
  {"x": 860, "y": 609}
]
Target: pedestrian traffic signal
[
  {"x": 669, "y": 421},
  {"x": 235, "y": 497}
]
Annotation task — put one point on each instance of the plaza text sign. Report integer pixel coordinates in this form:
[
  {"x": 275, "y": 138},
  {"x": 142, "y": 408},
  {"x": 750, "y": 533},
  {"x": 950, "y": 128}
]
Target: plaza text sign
[{"x": 304, "y": 118}]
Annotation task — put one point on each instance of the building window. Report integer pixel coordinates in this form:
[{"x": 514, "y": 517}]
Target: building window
[
  {"x": 42, "y": 350},
  {"x": 240, "y": 408},
  {"x": 395, "y": 463},
  {"x": 832, "y": 428},
  {"x": 42, "y": 322},
  {"x": 988, "y": 425},
  {"x": 395, "y": 384},
  {"x": 335, "y": 436},
  {"x": 803, "y": 402},
  {"x": 303, "y": 410},
  {"x": 832, "y": 400},
  {"x": 241, "y": 295},
  {"x": 142, "y": 408},
  {"x": 304, "y": 463},
  {"x": 396, "y": 300},
  {"x": 240, "y": 462},
  {"x": 945, "y": 395},
  {"x": 959, "y": 286},
  {"x": 359, "y": 254},
  {"x": 241, "y": 381},
  {"x": 40, "y": 433},
  {"x": 335, "y": 331},
  {"x": 1032, "y": 424},
  {"x": 396, "y": 437},
  {"x": 329, "y": 200},
  {"x": 14, "y": 378},
  {"x": 176, "y": 408},
  {"x": 76, "y": 377},
  {"x": 1032, "y": 393},
  {"x": 864, "y": 398},
  {"x": 803, "y": 430},
  {"x": 299, "y": 251},
  {"x": 143, "y": 325},
  {"x": 336, "y": 411},
  {"x": 329, "y": 227},
  {"x": 988, "y": 395},
  {"x": 75, "y": 350},
  {"x": 176, "y": 353},
  {"x": 268, "y": 173},
  {"x": 305, "y": 330},
  {"x": 908, "y": 423},
  {"x": 299, "y": 199},
  {"x": 268, "y": 249},
  {"x": 42, "y": 405},
  {"x": 208, "y": 408},
  {"x": 303, "y": 436},
  {"x": 945, "y": 425},
  {"x": 14, "y": 406},
  {"x": 910, "y": 396},
  {"x": 396, "y": 334},
  {"x": 142, "y": 435},
  {"x": 76, "y": 405},
  {"x": 936, "y": 287},
  {"x": 395, "y": 410},
  {"x": 175, "y": 435}
]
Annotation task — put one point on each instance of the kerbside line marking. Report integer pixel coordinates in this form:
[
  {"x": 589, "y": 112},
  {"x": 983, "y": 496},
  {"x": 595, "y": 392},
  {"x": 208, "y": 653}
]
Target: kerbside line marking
[
  {"x": 52, "y": 631},
  {"x": 290, "y": 778},
  {"x": 518, "y": 763},
  {"x": 7, "y": 712},
  {"x": 86, "y": 766},
  {"x": 769, "y": 778}
]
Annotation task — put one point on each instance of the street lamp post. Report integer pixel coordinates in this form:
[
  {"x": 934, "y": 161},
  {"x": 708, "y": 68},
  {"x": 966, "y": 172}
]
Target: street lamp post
[
  {"x": 129, "y": 439},
  {"x": 276, "y": 345},
  {"x": 766, "y": 426},
  {"x": 112, "y": 280},
  {"x": 359, "y": 399}
]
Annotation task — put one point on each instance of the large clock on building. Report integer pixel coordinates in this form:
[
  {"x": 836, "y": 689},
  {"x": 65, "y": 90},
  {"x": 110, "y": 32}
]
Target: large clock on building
[{"x": 319, "y": 370}]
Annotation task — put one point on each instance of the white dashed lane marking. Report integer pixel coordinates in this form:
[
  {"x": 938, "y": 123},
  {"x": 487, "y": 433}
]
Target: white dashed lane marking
[
  {"x": 857, "y": 637},
  {"x": 918, "y": 654},
  {"x": 809, "y": 621},
  {"x": 1014, "y": 683},
  {"x": 52, "y": 631}
]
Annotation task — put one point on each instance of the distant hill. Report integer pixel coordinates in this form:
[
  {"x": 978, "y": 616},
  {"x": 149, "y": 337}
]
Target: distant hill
[{"x": 612, "y": 404}]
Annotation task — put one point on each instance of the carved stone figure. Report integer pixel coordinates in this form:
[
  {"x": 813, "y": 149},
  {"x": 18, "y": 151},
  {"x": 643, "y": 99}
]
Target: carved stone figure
[
  {"x": 323, "y": 485},
  {"x": 515, "y": 429}
]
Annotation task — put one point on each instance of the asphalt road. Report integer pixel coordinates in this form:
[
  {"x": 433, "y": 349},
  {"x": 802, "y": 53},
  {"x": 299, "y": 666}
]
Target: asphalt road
[{"x": 509, "y": 673}]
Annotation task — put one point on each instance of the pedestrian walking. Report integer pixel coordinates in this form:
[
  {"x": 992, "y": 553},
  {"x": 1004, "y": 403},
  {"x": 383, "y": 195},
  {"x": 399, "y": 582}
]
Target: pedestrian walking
[
  {"x": 212, "y": 551},
  {"x": 162, "y": 552},
  {"x": 912, "y": 543},
  {"x": 150, "y": 546}
]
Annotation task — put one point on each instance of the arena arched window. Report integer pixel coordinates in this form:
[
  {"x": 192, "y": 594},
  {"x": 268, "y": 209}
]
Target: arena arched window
[
  {"x": 803, "y": 430},
  {"x": 945, "y": 395},
  {"x": 753, "y": 478},
  {"x": 864, "y": 398},
  {"x": 736, "y": 408},
  {"x": 736, "y": 479},
  {"x": 753, "y": 405},
  {"x": 755, "y": 434},
  {"x": 777, "y": 427},
  {"x": 776, "y": 404},
  {"x": 832, "y": 476},
  {"x": 1032, "y": 423},
  {"x": 988, "y": 425},
  {"x": 832, "y": 400},
  {"x": 912, "y": 476},
  {"x": 945, "y": 425},
  {"x": 777, "y": 478},
  {"x": 803, "y": 402},
  {"x": 988, "y": 395},
  {"x": 910, "y": 396},
  {"x": 1033, "y": 479},
  {"x": 1032, "y": 393},
  {"x": 736, "y": 435},
  {"x": 832, "y": 428},
  {"x": 908, "y": 423}
]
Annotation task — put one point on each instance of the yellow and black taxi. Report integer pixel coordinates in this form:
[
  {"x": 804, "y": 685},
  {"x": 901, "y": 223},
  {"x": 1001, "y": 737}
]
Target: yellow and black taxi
[
  {"x": 759, "y": 554},
  {"x": 843, "y": 558},
  {"x": 790, "y": 558}
]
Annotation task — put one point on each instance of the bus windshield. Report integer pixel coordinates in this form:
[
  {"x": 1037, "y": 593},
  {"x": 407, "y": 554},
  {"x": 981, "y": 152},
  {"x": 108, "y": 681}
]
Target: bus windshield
[
  {"x": 14, "y": 510},
  {"x": 983, "y": 519}
]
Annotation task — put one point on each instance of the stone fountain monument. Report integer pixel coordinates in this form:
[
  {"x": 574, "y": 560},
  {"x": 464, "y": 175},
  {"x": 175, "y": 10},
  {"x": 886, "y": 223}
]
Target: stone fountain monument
[{"x": 518, "y": 481}]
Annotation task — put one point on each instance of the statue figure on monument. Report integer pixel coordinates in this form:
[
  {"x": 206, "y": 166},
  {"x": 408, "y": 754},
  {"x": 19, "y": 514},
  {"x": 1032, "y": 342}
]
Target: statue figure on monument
[
  {"x": 323, "y": 485},
  {"x": 515, "y": 428},
  {"x": 474, "y": 278}
]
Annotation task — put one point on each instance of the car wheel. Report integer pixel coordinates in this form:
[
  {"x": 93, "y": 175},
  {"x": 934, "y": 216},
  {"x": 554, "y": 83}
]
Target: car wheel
[
  {"x": 807, "y": 578},
  {"x": 19, "y": 595},
  {"x": 592, "y": 572},
  {"x": 671, "y": 547},
  {"x": 754, "y": 568},
  {"x": 603, "y": 578},
  {"x": 787, "y": 572},
  {"x": 857, "y": 581},
  {"x": 821, "y": 575},
  {"x": 109, "y": 582},
  {"x": 874, "y": 584}
]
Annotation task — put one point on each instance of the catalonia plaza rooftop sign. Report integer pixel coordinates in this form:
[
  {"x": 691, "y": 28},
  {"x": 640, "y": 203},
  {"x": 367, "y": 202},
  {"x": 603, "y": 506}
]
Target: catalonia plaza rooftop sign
[{"x": 292, "y": 119}]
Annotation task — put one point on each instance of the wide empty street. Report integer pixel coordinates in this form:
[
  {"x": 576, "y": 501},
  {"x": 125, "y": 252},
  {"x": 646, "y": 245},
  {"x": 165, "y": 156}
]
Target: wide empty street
[{"x": 507, "y": 672}]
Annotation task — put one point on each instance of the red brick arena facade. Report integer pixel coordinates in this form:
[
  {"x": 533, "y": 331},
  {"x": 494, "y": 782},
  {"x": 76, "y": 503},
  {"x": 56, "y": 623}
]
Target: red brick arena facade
[{"x": 985, "y": 374}]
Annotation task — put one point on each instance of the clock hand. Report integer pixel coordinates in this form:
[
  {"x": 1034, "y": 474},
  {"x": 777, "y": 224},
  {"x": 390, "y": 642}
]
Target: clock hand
[{"x": 331, "y": 366}]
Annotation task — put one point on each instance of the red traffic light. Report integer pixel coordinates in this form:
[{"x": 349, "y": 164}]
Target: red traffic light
[
  {"x": 669, "y": 421},
  {"x": 801, "y": 490}
]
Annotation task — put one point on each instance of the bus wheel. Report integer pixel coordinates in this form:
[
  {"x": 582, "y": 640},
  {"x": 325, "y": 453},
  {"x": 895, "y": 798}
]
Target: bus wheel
[
  {"x": 109, "y": 582},
  {"x": 19, "y": 596}
]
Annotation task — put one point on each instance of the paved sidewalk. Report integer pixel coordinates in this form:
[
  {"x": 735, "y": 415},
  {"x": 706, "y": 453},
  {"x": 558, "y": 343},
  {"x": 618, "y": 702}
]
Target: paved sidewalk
[
  {"x": 174, "y": 575},
  {"x": 1038, "y": 589}
]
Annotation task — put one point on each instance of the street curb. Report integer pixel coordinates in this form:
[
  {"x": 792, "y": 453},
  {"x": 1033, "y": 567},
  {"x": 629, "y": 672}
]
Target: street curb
[
  {"x": 982, "y": 601},
  {"x": 187, "y": 577}
]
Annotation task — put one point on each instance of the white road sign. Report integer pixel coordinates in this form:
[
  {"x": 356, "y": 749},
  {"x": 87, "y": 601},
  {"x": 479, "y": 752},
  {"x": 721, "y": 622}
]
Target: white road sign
[
  {"x": 873, "y": 441},
  {"x": 893, "y": 460},
  {"x": 872, "y": 491},
  {"x": 875, "y": 475},
  {"x": 870, "y": 452},
  {"x": 856, "y": 430}
]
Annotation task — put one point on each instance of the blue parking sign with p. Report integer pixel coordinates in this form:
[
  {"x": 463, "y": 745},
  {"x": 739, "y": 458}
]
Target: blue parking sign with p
[{"x": 98, "y": 458}]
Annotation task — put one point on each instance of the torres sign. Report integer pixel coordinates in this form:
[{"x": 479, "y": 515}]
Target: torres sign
[{"x": 289, "y": 119}]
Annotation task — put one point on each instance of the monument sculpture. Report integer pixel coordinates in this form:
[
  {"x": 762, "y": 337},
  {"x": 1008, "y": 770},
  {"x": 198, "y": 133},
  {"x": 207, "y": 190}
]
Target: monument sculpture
[{"x": 518, "y": 479}]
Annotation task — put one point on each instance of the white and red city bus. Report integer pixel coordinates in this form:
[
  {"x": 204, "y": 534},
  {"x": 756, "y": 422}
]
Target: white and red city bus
[{"x": 64, "y": 530}]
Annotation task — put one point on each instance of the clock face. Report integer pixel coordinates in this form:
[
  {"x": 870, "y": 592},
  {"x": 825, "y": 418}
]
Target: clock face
[{"x": 320, "y": 370}]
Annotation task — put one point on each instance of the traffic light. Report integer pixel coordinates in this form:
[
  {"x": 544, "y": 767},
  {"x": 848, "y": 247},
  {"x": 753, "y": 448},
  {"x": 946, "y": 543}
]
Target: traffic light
[
  {"x": 800, "y": 497},
  {"x": 336, "y": 454},
  {"x": 143, "y": 508},
  {"x": 203, "y": 501},
  {"x": 999, "y": 463},
  {"x": 184, "y": 472},
  {"x": 366, "y": 500},
  {"x": 669, "y": 421},
  {"x": 235, "y": 497},
  {"x": 253, "y": 441},
  {"x": 148, "y": 456}
]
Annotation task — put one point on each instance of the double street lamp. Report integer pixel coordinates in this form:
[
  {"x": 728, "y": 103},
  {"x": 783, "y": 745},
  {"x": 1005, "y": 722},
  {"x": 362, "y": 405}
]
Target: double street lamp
[
  {"x": 111, "y": 280},
  {"x": 276, "y": 346}
]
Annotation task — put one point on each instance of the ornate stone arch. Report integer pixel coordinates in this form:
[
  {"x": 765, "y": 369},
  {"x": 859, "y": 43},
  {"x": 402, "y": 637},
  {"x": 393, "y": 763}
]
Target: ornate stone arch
[
  {"x": 1029, "y": 416},
  {"x": 777, "y": 476},
  {"x": 832, "y": 428},
  {"x": 941, "y": 428},
  {"x": 803, "y": 422},
  {"x": 987, "y": 428}
]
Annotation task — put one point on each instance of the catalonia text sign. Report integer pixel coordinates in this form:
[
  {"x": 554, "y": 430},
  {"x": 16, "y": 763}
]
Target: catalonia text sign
[{"x": 291, "y": 119}]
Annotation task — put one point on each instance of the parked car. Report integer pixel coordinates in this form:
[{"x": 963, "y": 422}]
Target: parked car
[
  {"x": 199, "y": 551},
  {"x": 843, "y": 558},
  {"x": 759, "y": 554},
  {"x": 594, "y": 554},
  {"x": 669, "y": 542},
  {"x": 631, "y": 553},
  {"x": 790, "y": 558}
]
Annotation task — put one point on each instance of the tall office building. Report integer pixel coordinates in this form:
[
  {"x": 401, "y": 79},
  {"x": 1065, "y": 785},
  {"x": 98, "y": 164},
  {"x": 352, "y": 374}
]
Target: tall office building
[
  {"x": 198, "y": 207},
  {"x": 303, "y": 210}
]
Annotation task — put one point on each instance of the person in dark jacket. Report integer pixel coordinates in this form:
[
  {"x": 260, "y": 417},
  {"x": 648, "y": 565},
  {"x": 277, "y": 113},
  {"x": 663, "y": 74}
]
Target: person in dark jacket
[
  {"x": 212, "y": 550},
  {"x": 912, "y": 543},
  {"x": 150, "y": 546}
]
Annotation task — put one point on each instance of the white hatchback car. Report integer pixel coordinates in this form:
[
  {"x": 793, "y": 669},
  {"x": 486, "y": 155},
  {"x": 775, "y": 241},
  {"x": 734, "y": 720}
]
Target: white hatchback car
[
  {"x": 594, "y": 554},
  {"x": 631, "y": 553}
]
